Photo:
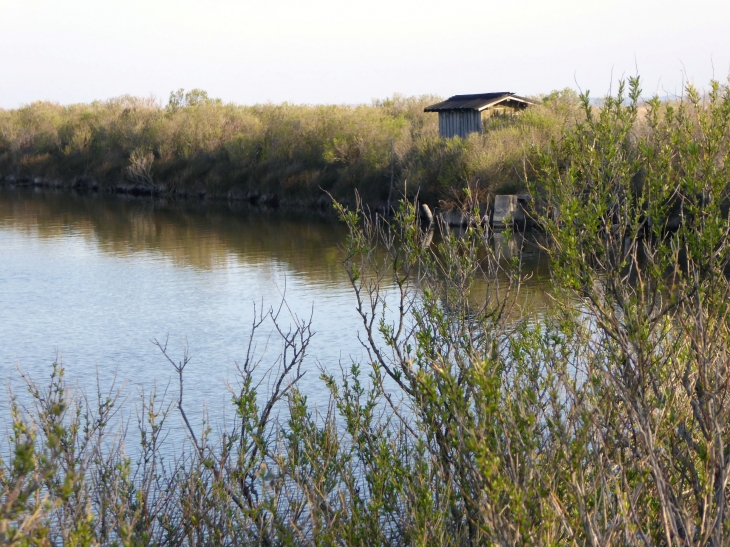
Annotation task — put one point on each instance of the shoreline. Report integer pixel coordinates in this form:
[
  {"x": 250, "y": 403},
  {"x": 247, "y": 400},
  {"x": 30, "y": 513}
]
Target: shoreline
[
  {"x": 236, "y": 200},
  {"x": 321, "y": 206}
]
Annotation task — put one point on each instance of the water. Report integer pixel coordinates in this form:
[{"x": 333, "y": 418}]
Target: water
[{"x": 91, "y": 280}]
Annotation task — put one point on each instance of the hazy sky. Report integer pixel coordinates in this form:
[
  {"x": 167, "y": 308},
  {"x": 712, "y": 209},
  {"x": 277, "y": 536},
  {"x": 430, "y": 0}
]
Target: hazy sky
[{"x": 336, "y": 51}]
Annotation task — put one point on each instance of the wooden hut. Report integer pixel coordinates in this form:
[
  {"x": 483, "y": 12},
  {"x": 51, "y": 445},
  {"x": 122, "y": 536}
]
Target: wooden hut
[{"x": 463, "y": 114}]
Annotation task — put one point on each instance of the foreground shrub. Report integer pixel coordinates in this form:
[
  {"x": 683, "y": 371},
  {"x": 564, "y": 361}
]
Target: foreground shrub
[{"x": 641, "y": 247}]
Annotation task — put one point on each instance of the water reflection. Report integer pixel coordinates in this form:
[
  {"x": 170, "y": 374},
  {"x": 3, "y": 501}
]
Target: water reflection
[
  {"x": 526, "y": 252},
  {"x": 204, "y": 237},
  {"x": 94, "y": 278}
]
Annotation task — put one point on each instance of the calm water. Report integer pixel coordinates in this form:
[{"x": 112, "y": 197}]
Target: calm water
[{"x": 90, "y": 280}]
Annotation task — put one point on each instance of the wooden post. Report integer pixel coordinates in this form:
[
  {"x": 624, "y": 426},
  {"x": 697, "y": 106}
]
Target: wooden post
[{"x": 426, "y": 214}]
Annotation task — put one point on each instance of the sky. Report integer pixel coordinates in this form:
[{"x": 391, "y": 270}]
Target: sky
[{"x": 339, "y": 51}]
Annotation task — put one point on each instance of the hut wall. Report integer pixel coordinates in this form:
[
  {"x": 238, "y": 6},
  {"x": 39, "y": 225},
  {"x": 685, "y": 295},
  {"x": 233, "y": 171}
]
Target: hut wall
[{"x": 459, "y": 123}]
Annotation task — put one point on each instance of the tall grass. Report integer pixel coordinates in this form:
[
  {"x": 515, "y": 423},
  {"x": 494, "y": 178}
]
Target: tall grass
[{"x": 195, "y": 144}]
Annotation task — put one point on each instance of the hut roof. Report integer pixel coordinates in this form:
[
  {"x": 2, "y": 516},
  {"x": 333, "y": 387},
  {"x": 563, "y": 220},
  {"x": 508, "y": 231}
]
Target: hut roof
[{"x": 479, "y": 101}]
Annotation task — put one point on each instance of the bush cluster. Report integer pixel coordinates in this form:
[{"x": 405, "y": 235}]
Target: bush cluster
[{"x": 197, "y": 145}]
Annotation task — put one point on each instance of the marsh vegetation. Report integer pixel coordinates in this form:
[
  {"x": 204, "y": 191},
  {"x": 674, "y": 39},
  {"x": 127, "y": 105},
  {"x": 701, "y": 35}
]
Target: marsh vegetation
[
  {"x": 198, "y": 146},
  {"x": 604, "y": 421}
]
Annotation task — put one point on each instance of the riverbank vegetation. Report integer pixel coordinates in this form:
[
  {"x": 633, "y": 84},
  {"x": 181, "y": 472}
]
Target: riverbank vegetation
[
  {"x": 198, "y": 146},
  {"x": 601, "y": 421}
]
